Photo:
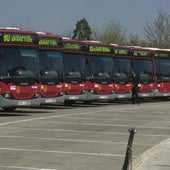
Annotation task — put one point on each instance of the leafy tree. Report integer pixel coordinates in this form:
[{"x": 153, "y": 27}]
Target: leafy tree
[
  {"x": 82, "y": 30},
  {"x": 112, "y": 33},
  {"x": 157, "y": 33}
]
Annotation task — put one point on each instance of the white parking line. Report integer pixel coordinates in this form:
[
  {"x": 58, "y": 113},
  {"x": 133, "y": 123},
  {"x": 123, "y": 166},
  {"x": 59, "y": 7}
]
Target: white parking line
[
  {"x": 71, "y": 114},
  {"x": 63, "y": 115},
  {"x": 26, "y": 168},
  {"x": 112, "y": 125},
  {"x": 64, "y": 152},
  {"x": 84, "y": 131},
  {"x": 73, "y": 140},
  {"x": 118, "y": 119}
]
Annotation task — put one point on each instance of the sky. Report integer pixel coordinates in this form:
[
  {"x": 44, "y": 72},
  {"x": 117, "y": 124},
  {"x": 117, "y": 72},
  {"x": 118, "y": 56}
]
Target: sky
[{"x": 59, "y": 16}]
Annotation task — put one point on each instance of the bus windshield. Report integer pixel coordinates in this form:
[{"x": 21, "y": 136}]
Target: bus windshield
[
  {"x": 74, "y": 65},
  {"x": 144, "y": 69},
  {"x": 18, "y": 62},
  {"x": 99, "y": 67},
  {"x": 162, "y": 69},
  {"x": 51, "y": 63},
  {"x": 121, "y": 70}
]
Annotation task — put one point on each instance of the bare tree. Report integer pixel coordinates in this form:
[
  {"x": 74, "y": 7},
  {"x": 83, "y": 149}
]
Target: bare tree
[
  {"x": 134, "y": 40},
  {"x": 67, "y": 33},
  {"x": 112, "y": 33},
  {"x": 157, "y": 33}
]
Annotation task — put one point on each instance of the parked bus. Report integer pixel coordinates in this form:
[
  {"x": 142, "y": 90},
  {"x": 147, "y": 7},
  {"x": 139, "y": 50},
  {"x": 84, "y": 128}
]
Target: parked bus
[
  {"x": 19, "y": 69},
  {"x": 143, "y": 63},
  {"x": 162, "y": 65},
  {"x": 74, "y": 71},
  {"x": 121, "y": 72},
  {"x": 51, "y": 68},
  {"x": 99, "y": 69},
  {"x": 139, "y": 59}
]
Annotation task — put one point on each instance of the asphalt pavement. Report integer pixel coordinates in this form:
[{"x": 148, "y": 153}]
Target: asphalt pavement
[{"x": 92, "y": 137}]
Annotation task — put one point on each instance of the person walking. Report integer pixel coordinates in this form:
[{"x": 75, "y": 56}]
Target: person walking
[{"x": 135, "y": 82}]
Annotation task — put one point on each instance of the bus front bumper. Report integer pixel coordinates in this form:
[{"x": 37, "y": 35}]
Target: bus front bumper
[
  {"x": 75, "y": 97},
  {"x": 52, "y": 100},
  {"x": 124, "y": 96},
  {"x": 146, "y": 95},
  {"x": 5, "y": 102},
  {"x": 161, "y": 94},
  {"x": 94, "y": 97}
]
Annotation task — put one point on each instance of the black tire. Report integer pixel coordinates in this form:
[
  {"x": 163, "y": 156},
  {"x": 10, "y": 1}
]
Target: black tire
[
  {"x": 9, "y": 109},
  {"x": 87, "y": 102},
  {"x": 68, "y": 103}
]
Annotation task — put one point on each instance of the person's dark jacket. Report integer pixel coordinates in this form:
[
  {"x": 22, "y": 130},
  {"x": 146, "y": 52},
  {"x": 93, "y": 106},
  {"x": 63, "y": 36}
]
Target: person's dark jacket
[{"x": 135, "y": 82}]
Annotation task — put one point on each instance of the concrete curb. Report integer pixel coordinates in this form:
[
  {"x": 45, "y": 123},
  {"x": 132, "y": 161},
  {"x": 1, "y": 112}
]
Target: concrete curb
[{"x": 136, "y": 163}]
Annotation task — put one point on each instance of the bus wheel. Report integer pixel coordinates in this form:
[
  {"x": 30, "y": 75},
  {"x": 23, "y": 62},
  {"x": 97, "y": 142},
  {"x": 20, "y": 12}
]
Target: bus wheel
[
  {"x": 68, "y": 103},
  {"x": 9, "y": 109},
  {"x": 87, "y": 102}
]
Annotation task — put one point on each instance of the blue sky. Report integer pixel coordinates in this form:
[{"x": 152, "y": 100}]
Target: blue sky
[{"x": 58, "y": 16}]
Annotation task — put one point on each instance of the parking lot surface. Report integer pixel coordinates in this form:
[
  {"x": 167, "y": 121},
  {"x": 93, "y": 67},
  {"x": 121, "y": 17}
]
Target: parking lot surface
[{"x": 81, "y": 137}]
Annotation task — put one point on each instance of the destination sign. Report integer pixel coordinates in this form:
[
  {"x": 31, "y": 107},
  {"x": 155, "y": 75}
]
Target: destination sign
[
  {"x": 121, "y": 51},
  {"x": 99, "y": 49},
  {"x": 162, "y": 54},
  {"x": 72, "y": 46},
  {"x": 17, "y": 38},
  {"x": 141, "y": 53},
  {"x": 49, "y": 42}
]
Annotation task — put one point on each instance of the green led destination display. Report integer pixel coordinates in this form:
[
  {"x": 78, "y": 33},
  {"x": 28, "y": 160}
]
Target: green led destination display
[
  {"x": 121, "y": 51},
  {"x": 16, "y": 38},
  {"x": 49, "y": 42},
  {"x": 72, "y": 46},
  {"x": 162, "y": 54},
  {"x": 141, "y": 53},
  {"x": 99, "y": 49}
]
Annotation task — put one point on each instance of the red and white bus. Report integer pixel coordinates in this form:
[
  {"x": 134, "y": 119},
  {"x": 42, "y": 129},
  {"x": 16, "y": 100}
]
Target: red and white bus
[
  {"x": 74, "y": 71},
  {"x": 162, "y": 70},
  {"x": 51, "y": 68},
  {"x": 121, "y": 72},
  {"x": 99, "y": 69},
  {"x": 143, "y": 63},
  {"x": 19, "y": 69},
  {"x": 140, "y": 59}
]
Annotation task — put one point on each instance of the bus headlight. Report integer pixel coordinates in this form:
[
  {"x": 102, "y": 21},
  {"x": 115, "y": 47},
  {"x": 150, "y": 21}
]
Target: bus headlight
[
  {"x": 0, "y": 90},
  {"x": 155, "y": 90},
  {"x": 7, "y": 95},
  {"x": 37, "y": 95},
  {"x": 84, "y": 91},
  {"x": 61, "y": 93},
  {"x": 92, "y": 91},
  {"x": 112, "y": 92},
  {"x": 130, "y": 91}
]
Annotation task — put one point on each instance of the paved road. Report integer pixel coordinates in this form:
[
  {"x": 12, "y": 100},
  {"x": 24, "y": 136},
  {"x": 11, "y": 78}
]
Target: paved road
[{"x": 80, "y": 137}]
